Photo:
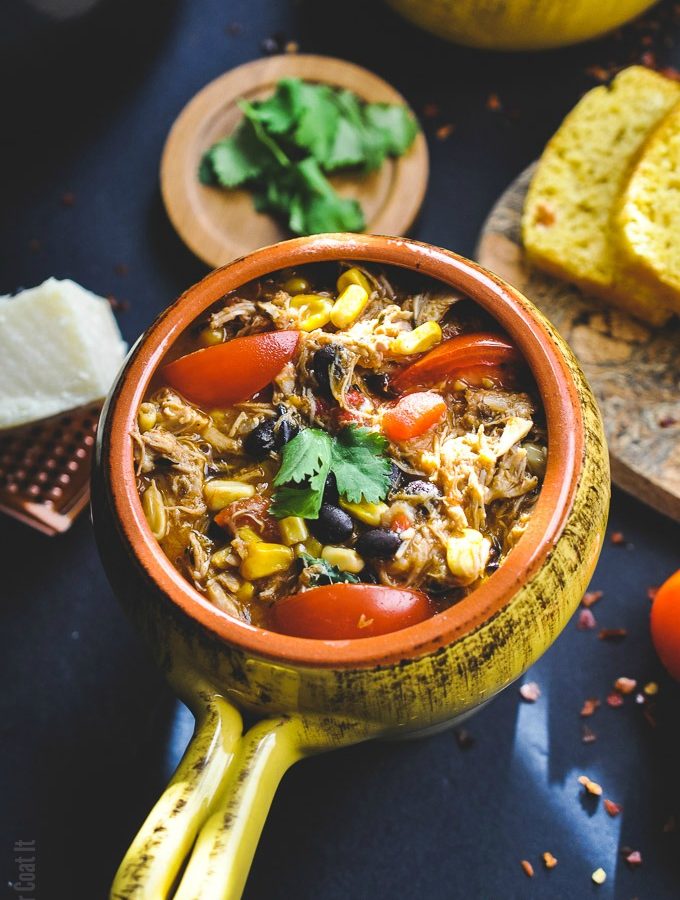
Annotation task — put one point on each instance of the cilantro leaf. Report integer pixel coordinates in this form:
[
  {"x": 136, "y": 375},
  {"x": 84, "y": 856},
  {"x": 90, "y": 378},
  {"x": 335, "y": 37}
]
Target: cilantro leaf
[
  {"x": 347, "y": 149},
  {"x": 308, "y": 455},
  {"x": 295, "y": 501},
  {"x": 280, "y": 112},
  {"x": 322, "y": 209},
  {"x": 326, "y": 573},
  {"x": 361, "y": 469},
  {"x": 398, "y": 126},
  {"x": 318, "y": 120},
  {"x": 239, "y": 158}
]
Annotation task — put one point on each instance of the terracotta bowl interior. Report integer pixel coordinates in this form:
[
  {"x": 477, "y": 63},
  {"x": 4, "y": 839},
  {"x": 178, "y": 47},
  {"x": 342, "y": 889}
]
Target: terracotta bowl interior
[{"x": 565, "y": 440}]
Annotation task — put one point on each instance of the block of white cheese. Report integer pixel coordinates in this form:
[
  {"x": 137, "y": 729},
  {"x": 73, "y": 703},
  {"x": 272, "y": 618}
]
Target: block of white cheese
[{"x": 60, "y": 347}]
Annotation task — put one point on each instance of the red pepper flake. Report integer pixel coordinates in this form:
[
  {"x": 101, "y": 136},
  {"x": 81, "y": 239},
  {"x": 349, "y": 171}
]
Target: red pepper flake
[
  {"x": 530, "y": 692},
  {"x": 592, "y": 787},
  {"x": 652, "y": 592},
  {"x": 651, "y": 688},
  {"x": 617, "y": 538},
  {"x": 430, "y": 110},
  {"x": 647, "y": 40},
  {"x": 34, "y": 245},
  {"x": 292, "y": 47},
  {"x": 588, "y": 736},
  {"x": 586, "y": 620},
  {"x": 528, "y": 868},
  {"x": 597, "y": 72},
  {"x": 589, "y": 707},
  {"x": 118, "y": 305},
  {"x": 121, "y": 269},
  {"x": 632, "y": 857},
  {"x": 445, "y": 131},
  {"x": 493, "y": 102},
  {"x": 667, "y": 421},
  {"x": 234, "y": 29},
  {"x": 613, "y": 809},
  {"x": 648, "y": 713},
  {"x": 463, "y": 738},
  {"x": 549, "y": 860},
  {"x": 625, "y": 685},
  {"x": 648, "y": 59},
  {"x": 590, "y": 598},
  {"x": 68, "y": 199},
  {"x": 614, "y": 700},
  {"x": 612, "y": 634}
]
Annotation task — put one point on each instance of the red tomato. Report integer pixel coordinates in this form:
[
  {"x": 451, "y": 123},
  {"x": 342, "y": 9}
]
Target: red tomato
[
  {"x": 342, "y": 611},
  {"x": 230, "y": 373},
  {"x": 665, "y": 624},
  {"x": 413, "y": 415},
  {"x": 452, "y": 358}
]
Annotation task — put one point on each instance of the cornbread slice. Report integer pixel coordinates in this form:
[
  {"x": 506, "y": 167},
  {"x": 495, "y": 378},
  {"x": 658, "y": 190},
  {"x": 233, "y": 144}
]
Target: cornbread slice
[
  {"x": 649, "y": 210},
  {"x": 60, "y": 348},
  {"x": 568, "y": 220}
]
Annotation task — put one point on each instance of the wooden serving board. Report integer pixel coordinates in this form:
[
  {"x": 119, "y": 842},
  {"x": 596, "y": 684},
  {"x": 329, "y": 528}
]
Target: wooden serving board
[
  {"x": 633, "y": 369},
  {"x": 220, "y": 225}
]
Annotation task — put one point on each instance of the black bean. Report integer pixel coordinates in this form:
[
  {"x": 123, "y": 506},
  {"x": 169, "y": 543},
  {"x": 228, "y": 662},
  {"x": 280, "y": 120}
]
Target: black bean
[
  {"x": 285, "y": 431},
  {"x": 378, "y": 543},
  {"x": 396, "y": 476},
  {"x": 333, "y": 525},
  {"x": 420, "y": 488},
  {"x": 327, "y": 360},
  {"x": 330, "y": 490},
  {"x": 379, "y": 384},
  {"x": 261, "y": 440}
]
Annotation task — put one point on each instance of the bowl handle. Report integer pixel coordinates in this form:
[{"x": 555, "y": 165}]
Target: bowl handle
[{"x": 217, "y": 802}]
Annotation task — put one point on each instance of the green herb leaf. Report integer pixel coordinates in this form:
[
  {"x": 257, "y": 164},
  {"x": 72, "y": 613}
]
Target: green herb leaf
[
  {"x": 280, "y": 112},
  {"x": 361, "y": 469},
  {"x": 238, "y": 158},
  {"x": 307, "y": 456},
  {"x": 296, "y": 501},
  {"x": 318, "y": 120},
  {"x": 321, "y": 208},
  {"x": 326, "y": 573},
  {"x": 398, "y": 126}
]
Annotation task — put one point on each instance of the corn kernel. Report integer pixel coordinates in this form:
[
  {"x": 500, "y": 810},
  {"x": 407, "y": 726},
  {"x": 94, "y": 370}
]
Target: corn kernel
[
  {"x": 296, "y": 285},
  {"x": 370, "y": 513},
  {"x": 211, "y": 336},
  {"x": 146, "y": 417},
  {"x": 422, "y": 338},
  {"x": 220, "y": 558},
  {"x": 293, "y": 530},
  {"x": 265, "y": 559},
  {"x": 354, "y": 276},
  {"x": 247, "y": 535},
  {"x": 313, "y": 547},
  {"x": 349, "y": 305},
  {"x": 246, "y": 591},
  {"x": 315, "y": 311},
  {"x": 345, "y": 559},
  {"x": 220, "y": 493},
  {"x": 155, "y": 512},
  {"x": 467, "y": 556}
]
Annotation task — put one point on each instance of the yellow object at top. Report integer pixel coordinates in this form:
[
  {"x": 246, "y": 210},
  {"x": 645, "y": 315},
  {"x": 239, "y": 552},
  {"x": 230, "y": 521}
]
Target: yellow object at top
[
  {"x": 519, "y": 24},
  {"x": 354, "y": 276}
]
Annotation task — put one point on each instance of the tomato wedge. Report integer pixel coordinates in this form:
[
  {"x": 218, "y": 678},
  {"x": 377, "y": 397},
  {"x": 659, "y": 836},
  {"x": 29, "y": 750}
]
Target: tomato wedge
[
  {"x": 453, "y": 357},
  {"x": 413, "y": 415},
  {"x": 345, "y": 611},
  {"x": 230, "y": 373}
]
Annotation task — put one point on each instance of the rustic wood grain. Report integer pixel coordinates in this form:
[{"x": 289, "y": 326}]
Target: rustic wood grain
[
  {"x": 634, "y": 369},
  {"x": 220, "y": 225}
]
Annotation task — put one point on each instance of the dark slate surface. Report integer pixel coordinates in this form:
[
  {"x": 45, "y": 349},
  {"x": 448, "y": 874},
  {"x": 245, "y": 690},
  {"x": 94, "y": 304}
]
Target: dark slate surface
[{"x": 89, "y": 731}]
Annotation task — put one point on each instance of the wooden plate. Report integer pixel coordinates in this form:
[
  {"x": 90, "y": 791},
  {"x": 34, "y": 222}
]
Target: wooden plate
[
  {"x": 633, "y": 369},
  {"x": 220, "y": 225}
]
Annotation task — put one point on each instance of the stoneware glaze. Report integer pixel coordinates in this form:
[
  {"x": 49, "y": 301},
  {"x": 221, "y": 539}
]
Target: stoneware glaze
[{"x": 305, "y": 696}]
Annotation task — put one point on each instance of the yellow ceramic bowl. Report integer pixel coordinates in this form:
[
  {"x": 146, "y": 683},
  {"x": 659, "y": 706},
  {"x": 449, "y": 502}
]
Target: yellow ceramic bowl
[
  {"x": 311, "y": 695},
  {"x": 519, "y": 24}
]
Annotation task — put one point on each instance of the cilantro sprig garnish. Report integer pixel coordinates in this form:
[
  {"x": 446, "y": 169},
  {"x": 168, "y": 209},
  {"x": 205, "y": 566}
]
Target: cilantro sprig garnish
[
  {"x": 356, "y": 456},
  {"x": 323, "y": 572},
  {"x": 286, "y": 145}
]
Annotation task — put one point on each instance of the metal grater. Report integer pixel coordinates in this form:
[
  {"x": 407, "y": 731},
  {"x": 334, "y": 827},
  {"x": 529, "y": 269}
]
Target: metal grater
[{"x": 45, "y": 469}]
